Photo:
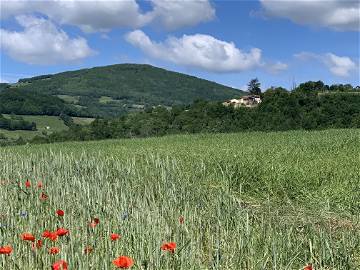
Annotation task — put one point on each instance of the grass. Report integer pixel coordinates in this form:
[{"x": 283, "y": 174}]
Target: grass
[
  {"x": 42, "y": 122},
  {"x": 249, "y": 201},
  {"x": 69, "y": 99}
]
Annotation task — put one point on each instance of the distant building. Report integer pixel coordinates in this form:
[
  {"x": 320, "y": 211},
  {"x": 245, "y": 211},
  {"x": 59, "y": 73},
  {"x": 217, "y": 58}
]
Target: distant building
[{"x": 244, "y": 101}]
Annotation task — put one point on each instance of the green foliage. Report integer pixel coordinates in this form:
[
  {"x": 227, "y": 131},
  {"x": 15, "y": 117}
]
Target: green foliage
[
  {"x": 16, "y": 123},
  {"x": 254, "y": 87},
  {"x": 125, "y": 85},
  {"x": 21, "y": 101}
]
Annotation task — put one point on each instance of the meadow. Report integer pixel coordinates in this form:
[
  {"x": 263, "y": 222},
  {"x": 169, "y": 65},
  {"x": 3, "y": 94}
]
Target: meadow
[{"x": 278, "y": 200}]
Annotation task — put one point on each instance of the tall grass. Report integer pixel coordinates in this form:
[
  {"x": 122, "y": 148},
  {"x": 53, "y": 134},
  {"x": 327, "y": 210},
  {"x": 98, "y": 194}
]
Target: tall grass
[{"x": 249, "y": 201}]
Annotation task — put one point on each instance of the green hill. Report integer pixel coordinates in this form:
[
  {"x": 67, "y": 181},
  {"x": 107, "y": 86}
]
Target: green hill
[{"x": 115, "y": 89}]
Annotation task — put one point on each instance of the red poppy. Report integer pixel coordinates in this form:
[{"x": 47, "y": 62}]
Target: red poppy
[
  {"x": 43, "y": 196},
  {"x": 36, "y": 245},
  {"x": 114, "y": 236},
  {"x": 39, "y": 184},
  {"x": 6, "y": 250},
  {"x": 88, "y": 250},
  {"x": 123, "y": 262},
  {"x": 62, "y": 232},
  {"x": 308, "y": 267},
  {"x": 94, "y": 223},
  {"x": 181, "y": 219},
  {"x": 170, "y": 246},
  {"x": 60, "y": 212},
  {"x": 54, "y": 250},
  {"x": 60, "y": 265},
  {"x": 27, "y": 183},
  {"x": 51, "y": 235},
  {"x": 28, "y": 237}
]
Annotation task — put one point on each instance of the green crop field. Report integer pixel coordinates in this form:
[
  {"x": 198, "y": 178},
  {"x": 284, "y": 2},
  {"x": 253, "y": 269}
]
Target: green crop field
[{"x": 229, "y": 201}]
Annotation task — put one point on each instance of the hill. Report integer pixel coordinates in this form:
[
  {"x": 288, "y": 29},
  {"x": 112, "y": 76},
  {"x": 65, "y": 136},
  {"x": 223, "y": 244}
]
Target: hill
[
  {"x": 116, "y": 89},
  {"x": 254, "y": 200}
]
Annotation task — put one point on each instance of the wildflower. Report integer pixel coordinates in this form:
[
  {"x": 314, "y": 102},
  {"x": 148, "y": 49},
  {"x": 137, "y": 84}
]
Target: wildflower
[
  {"x": 62, "y": 232},
  {"x": 125, "y": 215},
  {"x": 123, "y": 262},
  {"x": 23, "y": 214},
  {"x": 6, "y": 250},
  {"x": 54, "y": 250},
  {"x": 28, "y": 237},
  {"x": 50, "y": 235},
  {"x": 170, "y": 246},
  {"x": 43, "y": 196},
  {"x": 308, "y": 267},
  {"x": 114, "y": 236},
  {"x": 60, "y": 212},
  {"x": 39, "y": 184},
  {"x": 27, "y": 183},
  {"x": 94, "y": 223},
  {"x": 88, "y": 250},
  {"x": 60, "y": 265},
  {"x": 181, "y": 219},
  {"x": 36, "y": 245}
]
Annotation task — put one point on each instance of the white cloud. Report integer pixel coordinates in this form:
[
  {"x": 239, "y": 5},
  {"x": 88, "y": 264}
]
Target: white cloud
[
  {"x": 199, "y": 51},
  {"x": 41, "y": 42},
  {"x": 276, "y": 67},
  {"x": 103, "y": 15},
  {"x": 181, "y": 13},
  {"x": 340, "y": 15},
  {"x": 341, "y": 66}
]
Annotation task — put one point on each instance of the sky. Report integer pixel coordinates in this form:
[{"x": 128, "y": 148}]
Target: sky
[{"x": 282, "y": 42}]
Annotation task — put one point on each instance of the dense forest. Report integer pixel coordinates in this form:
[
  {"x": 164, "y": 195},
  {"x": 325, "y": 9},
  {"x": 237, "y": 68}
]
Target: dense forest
[{"x": 311, "y": 105}]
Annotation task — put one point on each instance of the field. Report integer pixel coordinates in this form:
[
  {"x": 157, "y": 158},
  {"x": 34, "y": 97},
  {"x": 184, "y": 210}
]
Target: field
[
  {"x": 44, "y": 123},
  {"x": 229, "y": 201}
]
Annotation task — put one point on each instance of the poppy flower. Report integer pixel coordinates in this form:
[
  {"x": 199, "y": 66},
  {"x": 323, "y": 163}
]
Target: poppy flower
[
  {"x": 36, "y": 245},
  {"x": 28, "y": 237},
  {"x": 43, "y": 196},
  {"x": 54, "y": 250},
  {"x": 170, "y": 246},
  {"x": 27, "y": 183},
  {"x": 62, "y": 232},
  {"x": 39, "y": 184},
  {"x": 60, "y": 212},
  {"x": 114, "y": 236},
  {"x": 6, "y": 250},
  {"x": 308, "y": 267},
  {"x": 94, "y": 223},
  {"x": 50, "y": 235},
  {"x": 123, "y": 262},
  {"x": 181, "y": 219},
  {"x": 60, "y": 265},
  {"x": 88, "y": 250}
]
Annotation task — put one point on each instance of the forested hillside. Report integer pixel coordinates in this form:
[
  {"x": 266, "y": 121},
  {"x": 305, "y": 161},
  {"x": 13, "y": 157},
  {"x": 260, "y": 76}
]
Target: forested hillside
[{"x": 117, "y": 89}]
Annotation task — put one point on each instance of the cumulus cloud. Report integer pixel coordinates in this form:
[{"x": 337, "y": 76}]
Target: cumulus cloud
[
  {"x": 199, "y": 51},
  {"x": 343, "y": 15},
  {"x": 41, "y": 42},
  {"x": 181, "y": 13},
  {"x": 103, "y": 15},
  {"x": 341, "y": 66}
]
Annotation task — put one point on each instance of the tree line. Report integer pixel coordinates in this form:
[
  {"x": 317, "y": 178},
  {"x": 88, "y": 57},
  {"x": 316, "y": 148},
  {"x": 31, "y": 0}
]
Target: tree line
[{"x": 312, "y": 105}]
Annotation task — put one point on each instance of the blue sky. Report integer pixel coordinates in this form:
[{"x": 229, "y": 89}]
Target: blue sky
[{"x": 230, "y": 42}]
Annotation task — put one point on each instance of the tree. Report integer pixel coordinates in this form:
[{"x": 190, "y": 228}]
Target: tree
[{"x": 254, "y": 87}]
